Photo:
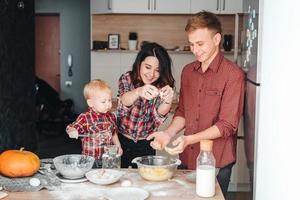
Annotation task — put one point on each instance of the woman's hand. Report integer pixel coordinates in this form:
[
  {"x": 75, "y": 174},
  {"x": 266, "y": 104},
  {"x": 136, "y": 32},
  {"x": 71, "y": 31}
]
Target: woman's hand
[
  {"x": 148, "y": 92},
  {"x": 166, "y": 94}
]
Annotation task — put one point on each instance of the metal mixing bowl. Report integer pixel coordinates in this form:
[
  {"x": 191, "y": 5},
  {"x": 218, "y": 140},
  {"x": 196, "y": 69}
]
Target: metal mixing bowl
[
  {"x": 156, "y": 168},
  {"x": 73, "y": 166}
]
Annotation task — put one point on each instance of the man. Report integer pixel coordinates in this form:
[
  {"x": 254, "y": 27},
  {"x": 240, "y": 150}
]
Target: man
[{"x": 210, "y": 103}]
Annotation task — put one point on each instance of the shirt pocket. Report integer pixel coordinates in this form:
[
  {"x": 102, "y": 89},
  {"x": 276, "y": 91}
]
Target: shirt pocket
[{"x": 213, "y": 100}]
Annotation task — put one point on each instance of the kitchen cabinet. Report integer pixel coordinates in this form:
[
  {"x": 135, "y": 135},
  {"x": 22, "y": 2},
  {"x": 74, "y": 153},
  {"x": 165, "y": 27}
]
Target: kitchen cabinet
[
  {"x": 140, "y": 6},
  {"x": 106, "y": 66},
  {"x": 171, "y": 6},
  {"x": 179, "y": 61},
  {"x": 217, "y": 6}
]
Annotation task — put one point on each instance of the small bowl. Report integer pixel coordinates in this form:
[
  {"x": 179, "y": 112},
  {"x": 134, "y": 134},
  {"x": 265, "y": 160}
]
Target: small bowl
[
  {"x": 73, "y": 166},
  {"x": 156, "y": 168},
  {"x": 104, "y": 176}
]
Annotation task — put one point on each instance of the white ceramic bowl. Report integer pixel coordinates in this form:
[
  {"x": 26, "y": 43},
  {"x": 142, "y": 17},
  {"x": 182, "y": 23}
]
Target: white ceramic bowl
[
  {"x": 73, "y": 166},
  {"x": 104, "y": 176}
]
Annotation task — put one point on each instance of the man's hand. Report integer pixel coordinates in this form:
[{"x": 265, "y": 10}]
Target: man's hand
[
  {"x": 73, "y": 133},
  {"x": 161, "y": 139},
  {"x": 180, "y": 143}
]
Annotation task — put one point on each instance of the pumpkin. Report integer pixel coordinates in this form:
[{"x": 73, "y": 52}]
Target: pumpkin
[{"x": 18, "y": 163}]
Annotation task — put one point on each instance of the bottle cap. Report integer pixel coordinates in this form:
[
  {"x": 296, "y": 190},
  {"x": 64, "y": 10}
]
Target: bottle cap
[{"x": 206, "y": 145}]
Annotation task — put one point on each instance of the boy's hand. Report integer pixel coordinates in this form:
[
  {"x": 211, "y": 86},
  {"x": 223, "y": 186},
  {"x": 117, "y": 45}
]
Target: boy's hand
[
  {"x": 120, "y": 150},
  {"x": 73, "y": 133}
]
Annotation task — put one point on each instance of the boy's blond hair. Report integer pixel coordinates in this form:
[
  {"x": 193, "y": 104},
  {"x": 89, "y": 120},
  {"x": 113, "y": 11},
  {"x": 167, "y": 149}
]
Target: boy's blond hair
[{"x": 93, "y": 86}]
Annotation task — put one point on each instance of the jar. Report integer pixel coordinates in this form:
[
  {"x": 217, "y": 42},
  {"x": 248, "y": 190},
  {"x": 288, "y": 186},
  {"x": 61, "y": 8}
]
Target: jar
[{"x": 110, "y": 158}]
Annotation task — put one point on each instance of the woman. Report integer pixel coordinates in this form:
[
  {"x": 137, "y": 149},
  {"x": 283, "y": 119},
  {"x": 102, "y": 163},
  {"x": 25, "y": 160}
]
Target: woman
[{"x": 145, "y": 99}]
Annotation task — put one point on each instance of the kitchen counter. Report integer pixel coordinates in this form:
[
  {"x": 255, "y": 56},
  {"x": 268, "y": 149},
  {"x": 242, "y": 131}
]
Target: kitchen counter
[{"x": 177, "y": 188}]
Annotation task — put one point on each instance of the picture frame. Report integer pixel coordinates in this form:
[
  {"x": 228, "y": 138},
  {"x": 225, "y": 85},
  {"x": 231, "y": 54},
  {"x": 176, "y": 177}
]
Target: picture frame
[{"x": 114, "y": 41}]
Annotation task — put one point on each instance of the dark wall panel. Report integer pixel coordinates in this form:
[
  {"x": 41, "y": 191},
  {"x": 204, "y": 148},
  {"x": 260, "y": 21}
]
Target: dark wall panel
[{"x": 17, "y": 111}]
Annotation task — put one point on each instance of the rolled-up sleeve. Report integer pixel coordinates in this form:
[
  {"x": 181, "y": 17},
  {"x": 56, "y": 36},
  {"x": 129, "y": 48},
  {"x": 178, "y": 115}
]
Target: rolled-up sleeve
[{"x": 232, "y": 105}]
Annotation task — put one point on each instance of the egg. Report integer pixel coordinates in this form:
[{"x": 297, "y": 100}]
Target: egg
[
  {"x": 34, "y": 182},
  {"x": 126, "y": 183}
]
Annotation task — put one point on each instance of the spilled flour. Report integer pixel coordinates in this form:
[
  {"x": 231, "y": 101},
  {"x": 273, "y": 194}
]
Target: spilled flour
[
  {"x": 176, "y": 187},
  {"x": 84, "y": 190}
]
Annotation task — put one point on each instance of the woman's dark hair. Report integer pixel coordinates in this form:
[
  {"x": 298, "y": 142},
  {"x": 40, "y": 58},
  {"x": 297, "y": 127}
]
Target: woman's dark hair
[{"x": 165, "y": 73}]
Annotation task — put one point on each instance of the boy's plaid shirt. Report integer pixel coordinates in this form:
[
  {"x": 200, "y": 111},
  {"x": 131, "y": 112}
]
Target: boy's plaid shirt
[{"x": 91, "y": 123}]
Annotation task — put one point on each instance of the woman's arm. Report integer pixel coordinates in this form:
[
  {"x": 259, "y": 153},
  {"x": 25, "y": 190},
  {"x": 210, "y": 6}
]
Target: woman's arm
[{"x": 147, "y": 92}]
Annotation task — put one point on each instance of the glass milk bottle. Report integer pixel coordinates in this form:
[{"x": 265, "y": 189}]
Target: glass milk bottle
[{"x": 206, "y": 169}]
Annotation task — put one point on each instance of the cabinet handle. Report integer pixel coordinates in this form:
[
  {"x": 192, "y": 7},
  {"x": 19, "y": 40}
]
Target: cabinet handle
[
  {"x": 154, "y": 4},
  {"x": 148, "y": 4},
  {"x": 224, "y": 2},
  {"x": 218, "y": 4},
  {"x": 109, "y": 4}
]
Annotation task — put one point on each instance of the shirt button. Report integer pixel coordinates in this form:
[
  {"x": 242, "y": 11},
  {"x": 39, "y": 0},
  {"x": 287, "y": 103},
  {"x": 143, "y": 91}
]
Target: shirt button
[
  {"x": 199, "y": 105},
  {"x": 200, "y": 90}
]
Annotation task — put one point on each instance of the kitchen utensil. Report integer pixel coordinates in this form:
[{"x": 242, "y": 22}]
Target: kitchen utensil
[
  {"x": 73, "y": 166},
  {"x": 156, "y": 168},
  {"x": 66, "y": 180}
]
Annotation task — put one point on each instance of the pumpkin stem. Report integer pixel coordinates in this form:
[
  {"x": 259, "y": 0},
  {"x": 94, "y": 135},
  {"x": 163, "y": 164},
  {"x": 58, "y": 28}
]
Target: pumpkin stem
[{"x": 22, "y": 148}]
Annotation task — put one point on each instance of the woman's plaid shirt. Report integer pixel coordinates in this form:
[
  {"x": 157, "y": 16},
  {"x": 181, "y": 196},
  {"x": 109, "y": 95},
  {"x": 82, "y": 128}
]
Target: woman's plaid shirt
[{"x": 140, "y": 119}]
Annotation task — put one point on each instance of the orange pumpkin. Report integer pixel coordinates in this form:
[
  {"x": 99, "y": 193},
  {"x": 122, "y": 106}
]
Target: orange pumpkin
[{"x": 18, "y": 163}]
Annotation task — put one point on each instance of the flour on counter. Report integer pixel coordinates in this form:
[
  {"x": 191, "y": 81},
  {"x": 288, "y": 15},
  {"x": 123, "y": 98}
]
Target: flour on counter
[{"x": 78, "y": 191}]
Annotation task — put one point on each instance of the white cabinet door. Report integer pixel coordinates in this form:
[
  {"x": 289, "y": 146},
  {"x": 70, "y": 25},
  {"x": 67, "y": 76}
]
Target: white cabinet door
[
  {"x": 120, "y": 6},
  {"x": 217, "y": 6},
  {"x": 127, "y": 60},
  {"x": 208, "y": 5},
  {"x": 171, "y": 6},
  {"x": 179, "y": 61},
  {"x": 106, "y": 66},
  {"x": 100, "y": 6},
  {"x": 231, "y": 6},
  {"x": 140, "y": 6},
  {"x": 131, "y": 6}
]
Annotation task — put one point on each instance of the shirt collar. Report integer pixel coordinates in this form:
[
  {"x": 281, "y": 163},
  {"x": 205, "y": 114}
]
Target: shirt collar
[
  {"x": 213, "y": 66},
  {"x": 96, "y": 113}
]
